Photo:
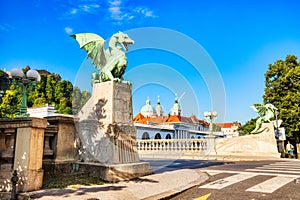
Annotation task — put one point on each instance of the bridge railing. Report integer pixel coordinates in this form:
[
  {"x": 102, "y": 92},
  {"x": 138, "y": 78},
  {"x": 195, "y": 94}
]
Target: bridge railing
[{"x": 193, "y": 145}]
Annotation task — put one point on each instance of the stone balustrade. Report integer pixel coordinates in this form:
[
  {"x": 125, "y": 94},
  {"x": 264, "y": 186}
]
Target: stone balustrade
[{"x": 192, "y": 145}]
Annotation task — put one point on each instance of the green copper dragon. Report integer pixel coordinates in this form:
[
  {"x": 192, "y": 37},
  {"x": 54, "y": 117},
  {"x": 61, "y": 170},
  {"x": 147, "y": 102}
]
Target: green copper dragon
[
  {"x": 266, "y": 113},
  {"x": 110, "y": 63}
]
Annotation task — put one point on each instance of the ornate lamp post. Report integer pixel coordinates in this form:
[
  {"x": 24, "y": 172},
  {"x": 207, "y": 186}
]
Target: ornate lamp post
[
  {"x": 210, "y": 117},
  {"x": 1, "y": 95},
  {"x": 25, "y": 81}
]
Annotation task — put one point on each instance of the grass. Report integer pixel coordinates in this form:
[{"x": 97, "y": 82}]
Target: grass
[{"x": 70, "y": 181}]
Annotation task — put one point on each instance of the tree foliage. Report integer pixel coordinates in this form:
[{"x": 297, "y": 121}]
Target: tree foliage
[
  {"x": 283, "y": 91},
  {"x": 248, "y": 126},
  {"x": 51, "y": 89},
  {"x": 79, "y": 99},
  {"x": 10, "y": 102}
]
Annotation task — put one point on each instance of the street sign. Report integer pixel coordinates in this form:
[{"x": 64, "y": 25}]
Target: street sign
[{"x": 280, "y": 134}]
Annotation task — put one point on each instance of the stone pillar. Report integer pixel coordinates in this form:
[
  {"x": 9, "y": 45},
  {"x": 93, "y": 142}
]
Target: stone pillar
[
  {"x": 210, "y": 144},
  {"x": 29, "y": 147},
  {"x": 112, "y": 139},
  {"x": 64, "y": 150},
  {"x": 107, "y": 132}
]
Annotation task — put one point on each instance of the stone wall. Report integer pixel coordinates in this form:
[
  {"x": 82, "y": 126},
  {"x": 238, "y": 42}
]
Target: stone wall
[
  {"x": 262, "y": 144},
  {"x": 25, "y": 145},
  {"x": 28, "y": 153}
]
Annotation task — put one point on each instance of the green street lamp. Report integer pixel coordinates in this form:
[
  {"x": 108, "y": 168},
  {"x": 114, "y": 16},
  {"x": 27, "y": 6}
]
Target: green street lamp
[
  {"x": 24, "y": 81},
  {"x": 210, "y": 117},
  {"x": 1, "y": 95}
]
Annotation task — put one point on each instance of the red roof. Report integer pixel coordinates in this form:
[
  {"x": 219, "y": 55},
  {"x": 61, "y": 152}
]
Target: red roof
[
  {"x": 139, "y": 118},
  {"x": 227, "y": 124}
]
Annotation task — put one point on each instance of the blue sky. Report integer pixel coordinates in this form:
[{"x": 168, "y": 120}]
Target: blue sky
[{"x": 237, "y": 40}]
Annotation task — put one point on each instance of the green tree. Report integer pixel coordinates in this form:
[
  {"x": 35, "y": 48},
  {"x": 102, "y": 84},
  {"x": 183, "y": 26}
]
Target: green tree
[
  {"x": 63, "y": 97},
  {"x": 10, "y": 102},
  {"x": 79, "y": 99},
  {"x": 85, "y": 96},
  {"x": 283, "y": 91},
  {"x": 248, "y": 126},
  {"x": 216, "y": 128},
  {"x": 51, "y": 89}
]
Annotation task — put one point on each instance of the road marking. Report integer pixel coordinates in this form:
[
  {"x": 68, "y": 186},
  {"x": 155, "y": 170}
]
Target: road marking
[
  {"x": 203, "y": 197},
  {"x": 271, "y": 185},
  {"x": 270, "y": 170},
  {"x": 286, "y": 163},
  {"x": 256, "y": 173},
  {"x": 289, "y": 169},
  {"x": 213, "y": 173},
  {"x": 222, "y": 183}
]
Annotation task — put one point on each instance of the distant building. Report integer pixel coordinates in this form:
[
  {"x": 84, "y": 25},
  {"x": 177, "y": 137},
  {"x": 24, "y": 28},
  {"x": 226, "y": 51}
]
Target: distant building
[
  {"x": 229, "y": 129},
  {"x": 150, "y": 123},
  {"x": 44, "y": 111}
]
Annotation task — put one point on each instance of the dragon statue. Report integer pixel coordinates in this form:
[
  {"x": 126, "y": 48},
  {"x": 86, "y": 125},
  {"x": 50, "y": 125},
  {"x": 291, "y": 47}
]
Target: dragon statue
[
  {"x": 266, "y": 113},
  {"x": 110, "y": 63}
]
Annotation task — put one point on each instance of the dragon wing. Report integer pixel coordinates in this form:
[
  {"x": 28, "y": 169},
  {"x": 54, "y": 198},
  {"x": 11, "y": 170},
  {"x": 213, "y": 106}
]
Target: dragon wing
[
  {"x": 93, "y": 44},
  {"x": 259, "y": 108}
]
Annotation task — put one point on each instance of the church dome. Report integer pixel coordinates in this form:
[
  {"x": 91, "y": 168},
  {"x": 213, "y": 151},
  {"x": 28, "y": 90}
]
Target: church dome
[
  {"x": 147, "y": 110},
  {"x": 158, "y": 108}
]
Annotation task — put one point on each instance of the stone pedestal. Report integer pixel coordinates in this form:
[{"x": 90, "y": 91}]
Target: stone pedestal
[
  {"x": 210, "y": 144},
  {"x": 106, "y": 129},
  {"x": 28, "y": 154}
]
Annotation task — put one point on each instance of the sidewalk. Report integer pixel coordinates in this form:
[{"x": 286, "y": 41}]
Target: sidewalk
[{"x": 155, "y": 186}]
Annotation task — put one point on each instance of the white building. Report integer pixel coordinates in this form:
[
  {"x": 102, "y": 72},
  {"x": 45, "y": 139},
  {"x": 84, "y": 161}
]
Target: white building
[
  {"x": 229, "y": 129},
  {"x": 150, "y": 123}
]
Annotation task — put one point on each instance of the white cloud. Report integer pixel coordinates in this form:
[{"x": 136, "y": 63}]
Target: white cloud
[
  {"x": 73, "y": 11},
  {"x": 118, "y": 11},
  {"x": 83, "y": 7},
  {"x": 68, "y": 30},
  {"x": 121, "y": 13},
  {"x": 145, "y": 12},
  {"x": 115, "y": 3},
  {"x": 5, "y": 27}
]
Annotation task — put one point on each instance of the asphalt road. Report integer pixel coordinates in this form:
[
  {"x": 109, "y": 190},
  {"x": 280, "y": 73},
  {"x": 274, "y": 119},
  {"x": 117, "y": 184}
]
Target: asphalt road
[{"x": 239, "y": 180}]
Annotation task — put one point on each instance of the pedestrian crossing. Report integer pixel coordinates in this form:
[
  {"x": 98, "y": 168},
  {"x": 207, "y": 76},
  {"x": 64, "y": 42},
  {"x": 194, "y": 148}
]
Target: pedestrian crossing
[{"x": 279, "y": 173}]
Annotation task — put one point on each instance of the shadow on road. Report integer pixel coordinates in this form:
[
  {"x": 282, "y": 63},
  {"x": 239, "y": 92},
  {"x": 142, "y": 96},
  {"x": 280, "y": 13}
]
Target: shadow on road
[
  {"x": 163, "y": 165},
  {"x": 76, "y": 192}
]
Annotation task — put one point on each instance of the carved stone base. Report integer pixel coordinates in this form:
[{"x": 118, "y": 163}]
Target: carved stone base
[
  {"x": 106, "y": 127},
  {"x": 107, "y": 148},
  {"x": 115, "y": 173},
  {"x": 255, "y": 145}
]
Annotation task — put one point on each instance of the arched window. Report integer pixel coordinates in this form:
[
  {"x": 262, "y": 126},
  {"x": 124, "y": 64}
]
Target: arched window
[
  {"x": 145, "y": 136},
  {"x": 157, "y": 136},
  {"x": 192, "y": 137},
  {"x": 168, "y": 136}
]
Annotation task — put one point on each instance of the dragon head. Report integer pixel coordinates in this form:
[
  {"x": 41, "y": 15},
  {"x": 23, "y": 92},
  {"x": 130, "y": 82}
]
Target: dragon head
[{"x": 123, "y": 39}]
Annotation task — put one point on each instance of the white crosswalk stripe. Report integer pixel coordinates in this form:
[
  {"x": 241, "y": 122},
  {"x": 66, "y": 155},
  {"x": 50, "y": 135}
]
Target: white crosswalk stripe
[
  {"x": 288, "y": 167},
  {"x": 271, "y": 185},
  {"x": 222, "y": 183},
  {"x": 280, "y": 173}
]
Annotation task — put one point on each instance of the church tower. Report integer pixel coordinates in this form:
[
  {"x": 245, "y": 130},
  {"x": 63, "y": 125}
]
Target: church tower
[
  {"x": 176, "y": 108},
  {"x": 158, "y": 108}
]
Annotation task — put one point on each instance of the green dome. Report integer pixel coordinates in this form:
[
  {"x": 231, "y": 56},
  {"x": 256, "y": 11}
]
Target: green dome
[{"x": 147, "y": 110}]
